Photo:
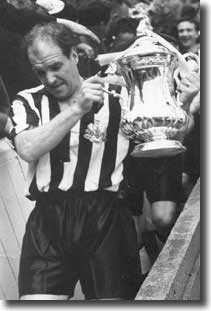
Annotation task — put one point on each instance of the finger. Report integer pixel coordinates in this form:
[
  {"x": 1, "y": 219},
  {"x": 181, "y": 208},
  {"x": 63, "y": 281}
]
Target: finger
[
  {"x": 183, "y": 88},
  {"x": 93, "y": 92},
  {"x": 185, "y": 82},
  {"x": 93, "y": 86},
  {"x": 94, "y": 98},
  {"x": 194, "y": 79},
  {"x": 95, "y": 79}
]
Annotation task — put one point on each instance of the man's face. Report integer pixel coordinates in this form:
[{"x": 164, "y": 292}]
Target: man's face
[
  {"x": 123, "y": 41},
  {"x": 57, "y": 72},
  {"x": 187, "y": 34}
]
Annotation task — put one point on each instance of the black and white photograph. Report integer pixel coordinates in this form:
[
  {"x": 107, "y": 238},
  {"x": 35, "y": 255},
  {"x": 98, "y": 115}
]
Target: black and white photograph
[{"x": 100, "y": 151}]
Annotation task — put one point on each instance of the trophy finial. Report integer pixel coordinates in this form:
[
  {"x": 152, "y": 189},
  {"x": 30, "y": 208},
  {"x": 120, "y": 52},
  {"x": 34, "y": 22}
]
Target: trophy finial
[{"x": 140, "y": 12}]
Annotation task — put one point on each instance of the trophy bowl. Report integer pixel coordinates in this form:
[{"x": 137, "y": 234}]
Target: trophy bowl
[{"x": 152, "y": 117}]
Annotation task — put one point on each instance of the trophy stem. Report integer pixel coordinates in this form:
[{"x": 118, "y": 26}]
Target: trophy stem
[{"x": 158, "y": 148}]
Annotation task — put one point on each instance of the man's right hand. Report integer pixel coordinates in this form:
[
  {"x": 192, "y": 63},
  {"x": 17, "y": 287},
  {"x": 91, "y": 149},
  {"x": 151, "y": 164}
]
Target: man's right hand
[{"x": 91, "y": 91}]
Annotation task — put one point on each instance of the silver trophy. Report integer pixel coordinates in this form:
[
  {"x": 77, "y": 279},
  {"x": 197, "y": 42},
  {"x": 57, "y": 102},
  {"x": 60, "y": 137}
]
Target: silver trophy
[{"x": 152, "y": 117}]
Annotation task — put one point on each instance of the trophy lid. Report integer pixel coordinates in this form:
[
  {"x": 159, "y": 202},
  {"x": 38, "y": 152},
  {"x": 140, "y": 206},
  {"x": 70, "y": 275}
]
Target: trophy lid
[{"x": 145, "y": 45}]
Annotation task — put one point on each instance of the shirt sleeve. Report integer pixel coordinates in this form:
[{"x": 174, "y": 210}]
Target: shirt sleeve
[{"x": 24, "y": 115}]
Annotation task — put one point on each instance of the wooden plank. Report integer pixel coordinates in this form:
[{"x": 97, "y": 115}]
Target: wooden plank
[
  {"x": 6, "y": 151},
  {"x": 9, "y": 252},
  {"x": 17, "y": 170},
  {"x": 11, "y": 204},
  {"x": 8, "y": 282},
  {"x": 7, "y": 233},
  {"x": 2, "y": 294},
  {"x": 14, "y": 211},
  {"x": 192, "y": 290},
  {"x": 16, "y": 173},
  {"x": 13, "y": 261}
]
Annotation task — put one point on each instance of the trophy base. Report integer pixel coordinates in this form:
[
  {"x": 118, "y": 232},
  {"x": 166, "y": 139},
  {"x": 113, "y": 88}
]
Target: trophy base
[{"x": 158, "y": 148}]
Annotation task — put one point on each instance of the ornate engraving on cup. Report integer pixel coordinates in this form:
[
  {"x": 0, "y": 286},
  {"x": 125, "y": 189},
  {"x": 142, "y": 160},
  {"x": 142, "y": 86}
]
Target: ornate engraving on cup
[{"x": 152, "y": 117}]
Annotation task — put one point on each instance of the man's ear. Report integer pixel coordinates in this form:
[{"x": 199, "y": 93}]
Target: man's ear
[{"x": 74, "y": 55}]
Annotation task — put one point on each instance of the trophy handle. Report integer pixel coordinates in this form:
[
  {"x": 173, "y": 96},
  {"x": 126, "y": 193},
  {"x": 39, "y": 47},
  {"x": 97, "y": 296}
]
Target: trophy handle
[
  {"x": 190, "y": 58},
  {"x": 115, "y": 94},
  {"x": 193, "y": 62}
]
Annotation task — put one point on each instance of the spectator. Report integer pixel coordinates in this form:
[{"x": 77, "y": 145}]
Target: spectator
[
  {"x": 188, "y": 35},
  {"x": 188, "y": 38},
  {"x": 119, "y": 10},
  {"x": 89, "y": 13},
  {"x": 123, "y": 35}
]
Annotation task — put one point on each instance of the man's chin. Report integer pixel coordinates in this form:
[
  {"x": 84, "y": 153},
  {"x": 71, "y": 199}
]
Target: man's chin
[
  {"x": 59, "y": 95},
  {"x": 186, "y": 44}
]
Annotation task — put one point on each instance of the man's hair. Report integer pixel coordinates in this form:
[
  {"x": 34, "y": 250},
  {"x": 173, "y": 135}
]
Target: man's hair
[
  {"x": 125, "y": 24},
  {"x": 58, "y": 33},
  {"x": 190, "y": 20}
]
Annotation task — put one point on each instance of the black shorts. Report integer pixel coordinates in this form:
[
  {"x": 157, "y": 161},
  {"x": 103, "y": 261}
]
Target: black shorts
[
  {"x": 163, "y": 178},
  {"x": 86, "y": 237},
  {"x": 160, "y": 178}
]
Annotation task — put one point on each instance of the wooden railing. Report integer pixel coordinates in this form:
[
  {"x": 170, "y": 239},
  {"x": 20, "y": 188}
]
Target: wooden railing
[
  {"x": 176, "y": 273},
  {"x": 14, "y": 211}
]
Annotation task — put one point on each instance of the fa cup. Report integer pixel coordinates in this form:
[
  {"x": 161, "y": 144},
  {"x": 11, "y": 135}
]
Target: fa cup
[{"x": 152, "y": 117}]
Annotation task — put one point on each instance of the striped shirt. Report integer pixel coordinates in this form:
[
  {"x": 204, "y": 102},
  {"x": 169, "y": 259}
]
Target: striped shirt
[{"x": 90, "y": 156}]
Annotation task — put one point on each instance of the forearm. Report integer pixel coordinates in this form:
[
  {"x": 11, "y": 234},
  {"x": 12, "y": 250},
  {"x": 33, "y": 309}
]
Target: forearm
[
  {"x": 34, "y": 143},
  {"x": 78, "y": 29}
]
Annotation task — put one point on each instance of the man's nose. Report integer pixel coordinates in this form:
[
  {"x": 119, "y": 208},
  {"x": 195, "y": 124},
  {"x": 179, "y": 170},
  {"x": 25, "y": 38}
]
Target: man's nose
[
  {"x": 185, "y": 33},
  {"x": 50, "y": 78}
]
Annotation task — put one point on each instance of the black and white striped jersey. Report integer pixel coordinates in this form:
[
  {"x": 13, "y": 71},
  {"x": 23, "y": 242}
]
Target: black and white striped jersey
[{"x": 90, "y": 157}]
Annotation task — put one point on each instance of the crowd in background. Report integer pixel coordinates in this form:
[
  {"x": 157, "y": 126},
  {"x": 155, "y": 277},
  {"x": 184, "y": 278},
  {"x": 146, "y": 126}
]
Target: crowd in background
[{"x": 115, "y": 23}]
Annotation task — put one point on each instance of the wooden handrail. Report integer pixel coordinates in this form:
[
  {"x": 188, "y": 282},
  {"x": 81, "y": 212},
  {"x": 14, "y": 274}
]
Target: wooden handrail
[{"x": 178, "y": 265}]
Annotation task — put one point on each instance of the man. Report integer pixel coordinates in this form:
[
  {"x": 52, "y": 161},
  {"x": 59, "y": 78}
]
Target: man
[
  {"x": 188, "y": 38},
  {"x": 75, "y": 150},
  {"x": 123, "y": 35},
  {"x": 188, "y": 35},
  {"x": 189, "y": 88}
]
